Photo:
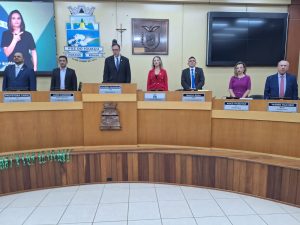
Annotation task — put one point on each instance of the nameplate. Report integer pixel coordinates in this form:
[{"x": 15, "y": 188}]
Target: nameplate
[
  {"x": 155, "y": 96},
  {"x": 236, "y": 106},
  {"x": 195, "y": 97},
  {"x": 62, "y": 97},
  {"x": 282, "y": 107},
  {"x": 16, "y": 98},
  {"x": 110, "y": 89}
]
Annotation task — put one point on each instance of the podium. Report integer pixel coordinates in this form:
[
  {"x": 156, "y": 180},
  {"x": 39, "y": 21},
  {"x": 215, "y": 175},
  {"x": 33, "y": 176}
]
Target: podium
[
  {"x": 175, "y": 118},
  {"x": 40, "y": 123},
  {"x": 93, "y": 108}
]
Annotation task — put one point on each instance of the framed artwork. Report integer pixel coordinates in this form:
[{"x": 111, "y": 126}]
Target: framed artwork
[{"x": 150, "y": 36}]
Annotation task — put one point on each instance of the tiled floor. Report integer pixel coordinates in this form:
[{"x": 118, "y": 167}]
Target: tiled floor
[{"x": 141, "y": 204}]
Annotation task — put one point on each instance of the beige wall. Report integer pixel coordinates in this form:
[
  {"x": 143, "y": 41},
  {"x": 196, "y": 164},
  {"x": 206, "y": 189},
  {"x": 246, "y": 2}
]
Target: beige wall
[{"x": 187, "y": 36}]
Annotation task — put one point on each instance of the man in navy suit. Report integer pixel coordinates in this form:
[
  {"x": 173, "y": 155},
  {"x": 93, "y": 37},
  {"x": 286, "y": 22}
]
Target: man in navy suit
[
  {"x": 63, "y": 78},
  {"x": 281, "y": 85},
  {"x": 192, "y": 78},
  {"x": 116, "y": 67},
  {"x": 18, "y": 77}
]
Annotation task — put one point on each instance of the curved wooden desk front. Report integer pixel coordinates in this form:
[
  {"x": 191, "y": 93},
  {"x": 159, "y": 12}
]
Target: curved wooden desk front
[
  {"x": 40, "y": 123},
  {"x": 256, "y": 130},
  {"x": 262, "y": 175}
]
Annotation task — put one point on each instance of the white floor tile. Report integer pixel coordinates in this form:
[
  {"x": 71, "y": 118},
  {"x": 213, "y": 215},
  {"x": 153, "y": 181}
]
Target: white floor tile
[
  {"x": 29, "y": 199},
  {"x": 166, "y": 186},
  {"x": 112, "y": 223},
  {"x": 112, "y": 212},
  {"x": 246, "y": 220},
  {"x": 290, "y": 209},
  {"x": 117, "y": 185},
  {"x": 297, "y": 216},
  {"x": 235, "y": 207},
  {"x": 58, "y": 198},
  {"x": 86, "y": 198},
  {"x": 76, "y": 224},
  {"x": 196, "y": 193},
  {"x": 65, "y": 189},
  {"x": 15, "y": 216},
  {"x": 45, "y": 215},
  {"x": 142, "y": 195},
  {"x": 261, "y": 206},
  {"x": 169, "y": 194},
  {"x": 143, "y": 211},
  {"x": 174, "y": 209},
  {"x": 141, "y": 185},
  {"x": 6, "y": 200},
  {"x": 79, "y": 214},
  {"x": 280, "y": 219},
  {"x": 145, "y": 222},
  {"x": 180, "y": 221},
  {"x": 91, "y": 187},
  {"x": 213, "y": 221},
  {"x": 223, "y": 194},
  {"x": 203, "y": 208},
  {"x": 115, "y": 195}
]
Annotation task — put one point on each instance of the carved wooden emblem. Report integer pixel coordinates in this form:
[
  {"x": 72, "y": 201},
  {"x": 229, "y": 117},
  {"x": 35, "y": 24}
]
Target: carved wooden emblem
[{"x": 110, "y": 117}]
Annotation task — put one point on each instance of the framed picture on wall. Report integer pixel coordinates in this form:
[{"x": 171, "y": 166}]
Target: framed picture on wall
[{"x": 150, "y": 36}]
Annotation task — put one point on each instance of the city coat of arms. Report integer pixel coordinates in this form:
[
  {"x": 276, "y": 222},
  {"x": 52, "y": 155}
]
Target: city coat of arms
[{"x": 150, "y": 36}]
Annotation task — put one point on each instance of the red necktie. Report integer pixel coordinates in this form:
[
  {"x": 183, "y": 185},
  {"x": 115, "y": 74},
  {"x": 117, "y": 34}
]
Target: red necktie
[{"x": 281, "y": 88}]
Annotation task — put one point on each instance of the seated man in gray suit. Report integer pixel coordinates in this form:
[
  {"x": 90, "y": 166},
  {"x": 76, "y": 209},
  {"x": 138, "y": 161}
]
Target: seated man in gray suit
[
  {"x": 18, "y": 77},
  {"x": 192, "y": 78}
]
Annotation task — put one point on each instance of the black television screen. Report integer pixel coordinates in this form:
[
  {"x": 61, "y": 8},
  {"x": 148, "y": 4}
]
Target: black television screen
[{"x": 258, "y": 39}]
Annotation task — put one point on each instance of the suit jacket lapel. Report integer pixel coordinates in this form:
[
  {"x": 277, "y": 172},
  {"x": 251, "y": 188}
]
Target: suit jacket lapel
[{"x": 20, "y": 72}]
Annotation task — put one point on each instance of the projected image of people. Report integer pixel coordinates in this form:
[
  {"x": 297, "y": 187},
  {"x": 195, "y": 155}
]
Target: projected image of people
[{"x": 17, "y": 39}]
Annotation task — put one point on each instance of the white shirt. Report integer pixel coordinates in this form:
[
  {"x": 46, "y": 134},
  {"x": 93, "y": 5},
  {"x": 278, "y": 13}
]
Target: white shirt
[
  {"x": 18, "y": 68},
  {"x": 279, "y": 80},
  {"x": 62, "y": 77}
]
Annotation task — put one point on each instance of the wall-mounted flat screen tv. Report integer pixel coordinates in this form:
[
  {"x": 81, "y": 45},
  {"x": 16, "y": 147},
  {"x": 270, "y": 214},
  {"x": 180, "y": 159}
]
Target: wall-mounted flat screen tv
[{"x": 258, "y": 39}]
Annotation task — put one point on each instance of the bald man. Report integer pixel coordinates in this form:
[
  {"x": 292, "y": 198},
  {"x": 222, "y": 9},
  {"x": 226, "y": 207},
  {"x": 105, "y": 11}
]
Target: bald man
[
  {"x": 281, "y": 85},
  {"x": 18, "y": 77}
]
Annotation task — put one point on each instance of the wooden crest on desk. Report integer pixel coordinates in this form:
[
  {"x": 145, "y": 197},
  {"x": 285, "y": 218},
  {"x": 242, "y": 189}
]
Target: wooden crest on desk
[{"x": 110, "y": 119}]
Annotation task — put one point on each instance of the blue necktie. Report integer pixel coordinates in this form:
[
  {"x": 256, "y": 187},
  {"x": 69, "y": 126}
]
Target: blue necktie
[
  {"x": 193, "y": 79},
  {"x": 117, "y": 63}
]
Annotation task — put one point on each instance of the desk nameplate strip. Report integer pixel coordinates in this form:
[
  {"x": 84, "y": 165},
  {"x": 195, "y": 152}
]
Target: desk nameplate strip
[
  {"x": 40, "y": 106},
  {"x": 109, "y": 98},
  {"x": 257, "y": 115},
  {"x": 175, "y": 105}
]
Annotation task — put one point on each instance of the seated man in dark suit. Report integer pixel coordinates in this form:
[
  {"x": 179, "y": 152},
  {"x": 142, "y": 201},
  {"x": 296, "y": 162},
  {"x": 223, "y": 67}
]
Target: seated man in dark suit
[
  {"x": 116, "y": 67},
  {"x": 192, "y": 78},
  {"x": 18, "y": 77},
  {"x": 63, "y": 78},
  {"x": 281, "y": 84}
]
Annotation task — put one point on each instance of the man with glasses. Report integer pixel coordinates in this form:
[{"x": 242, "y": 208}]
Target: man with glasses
[
  {"x": 116, "y": 67},
  {"x": 192, "y": 78}
]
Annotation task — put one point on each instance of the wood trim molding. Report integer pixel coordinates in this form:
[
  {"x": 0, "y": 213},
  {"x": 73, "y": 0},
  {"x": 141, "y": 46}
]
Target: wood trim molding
[
  {"x": 256, "y": 115},
  {"x": 109, "y": 97},
  {"x": 40, "y": 106},
  {"x": 174, "y": 105}
]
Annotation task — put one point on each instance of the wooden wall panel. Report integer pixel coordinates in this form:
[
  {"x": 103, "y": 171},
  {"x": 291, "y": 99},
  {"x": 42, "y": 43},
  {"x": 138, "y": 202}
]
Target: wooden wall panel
[
  {"x": 40, "y": 129},
  {"x": 250, "y": 177},
  {"x": 293, "y": 46}
]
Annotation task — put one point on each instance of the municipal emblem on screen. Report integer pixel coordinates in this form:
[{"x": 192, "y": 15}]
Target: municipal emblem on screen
[{"x": 83, "y": 35}]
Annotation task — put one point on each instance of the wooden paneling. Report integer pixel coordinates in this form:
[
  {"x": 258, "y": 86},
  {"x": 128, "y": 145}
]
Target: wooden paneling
[
  {"x": 109, "y": 98},
  {"x": 92, "y": 121},
  {"x": 40, "y": 129},
  {"x": 160, "y": 164},
  {"x": 174, "y": 105},
  {"x": 174, "y": 127},
  {"x": 257, "y": 136},
  {"x": 293, "y": 44}
]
